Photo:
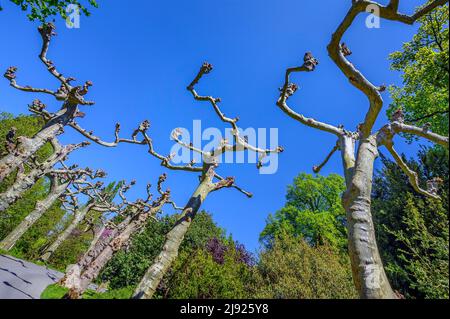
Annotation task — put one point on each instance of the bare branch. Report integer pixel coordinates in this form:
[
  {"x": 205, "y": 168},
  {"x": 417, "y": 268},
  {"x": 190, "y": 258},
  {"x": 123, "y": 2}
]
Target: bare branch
[
  {"x": 165, "y": 160},
  {"x": 318, "y": 168},
  {"x": 10, "y": 74},
  {"x": 427, "y": 116},
  {"x": 233, "y": 185},
  {"x": 90, "y": 135},
  {"x": 398, "y": 127},
  {"x": 355, "y": 77},
  {"x": 47, "y": 31},
  {"x": 412, "y": 176},
  {"x": 289, "y": 89},
  {"x": 241, "y": 143}
]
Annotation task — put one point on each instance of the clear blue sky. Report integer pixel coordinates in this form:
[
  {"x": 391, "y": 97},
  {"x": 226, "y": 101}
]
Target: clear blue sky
[{"x": 142, "y": 56}]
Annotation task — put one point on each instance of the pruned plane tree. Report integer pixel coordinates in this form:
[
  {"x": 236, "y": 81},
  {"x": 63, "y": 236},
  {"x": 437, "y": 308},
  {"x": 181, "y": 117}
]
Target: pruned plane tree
[
  {"x": 359, "y": 148},
  {"x": 209, "y": 181},
  {"x": 71, "y": 97},
  {"x": 129, "y": 218}
]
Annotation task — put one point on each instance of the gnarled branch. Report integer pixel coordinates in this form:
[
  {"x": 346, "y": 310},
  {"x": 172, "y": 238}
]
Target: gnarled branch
[
  {"x": 412, "y": 176},
  {"x": 289, "y": 89}
]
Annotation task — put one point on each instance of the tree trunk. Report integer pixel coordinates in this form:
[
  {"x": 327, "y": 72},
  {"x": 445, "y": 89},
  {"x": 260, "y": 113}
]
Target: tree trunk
[
  {"x": 368, "y": 272},
  {"x": 117, "y": 243},
  {"x": 29, "y": 146},
  {"x": 41, "y": 207},
  {"x": 174, "y": 238},
  {"x": 97, "y": 237},
  {"x": 96, "y": 248},
  {"x": 347, "y": 145},
  {"x": 72, "y": 277},
  {"x": 79, "y": 217},
  {"x": 14, "y": 193},
  {"x": 101, "y": 253}
]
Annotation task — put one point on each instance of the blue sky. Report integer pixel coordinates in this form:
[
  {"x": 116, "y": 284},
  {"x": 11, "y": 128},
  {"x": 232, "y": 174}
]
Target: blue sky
[{"x": 142, "y": 56}]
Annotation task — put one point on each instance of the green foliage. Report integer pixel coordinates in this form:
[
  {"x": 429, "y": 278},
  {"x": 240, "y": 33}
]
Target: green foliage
[
  {"x": 129, "y": 266},
  {"x": 413, "y": 231},
  {"x": 313, "y": 211},
  {"x": 424, "y": 65},
  {"x": 123, "y": 293},
  {"x": 26, "y": 126},
  {"x": 54, "y": 291},
  {"x": 72, "y": 249},
  {"x": 293, "y": 269},
  {"x": 41, "y": 10},
  {"x": 29, "y": 246},
  {"x": 197, "y": 275}
]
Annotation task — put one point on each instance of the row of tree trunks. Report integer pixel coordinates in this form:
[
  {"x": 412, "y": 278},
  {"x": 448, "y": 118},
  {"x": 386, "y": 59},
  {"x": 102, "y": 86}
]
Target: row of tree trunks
[
  {"x": 56, "y": 191},
  {"x": 21, "y": 185},
  {"x": 78, "y": 277},
  {"x": 122, "y": 240},
  {"x": 77, "y": 220}
]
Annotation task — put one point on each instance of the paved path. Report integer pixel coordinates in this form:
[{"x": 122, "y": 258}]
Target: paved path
[{"x": 23, "y": 280}]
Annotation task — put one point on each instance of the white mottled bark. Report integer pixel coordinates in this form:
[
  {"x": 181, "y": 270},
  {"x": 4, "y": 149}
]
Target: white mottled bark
[
  {"x": 174, "y": 238},
  {"x": 347, "y": 145},
  {"x": 29, "y": 146},
  {"x": 368, "y": 271}
]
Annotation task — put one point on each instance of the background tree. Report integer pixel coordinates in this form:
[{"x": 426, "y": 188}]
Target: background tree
[
  {"x": 423, "y": 62},
  {"x": 293, "y": 269},
  {"x": 313, "y": 211},
  {"x": 222, "y": 269},
  {"x": 412, "y": 230}
]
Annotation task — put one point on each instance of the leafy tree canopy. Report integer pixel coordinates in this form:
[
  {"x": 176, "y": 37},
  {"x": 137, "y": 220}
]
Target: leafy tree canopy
[
  {"x": 218, "y": 271},
  {"x": 41, "y": 10},
  {"x": 293, "y": 269},
  {"x": 313, "y": 211},
  {"x": 424, "y": 65},
  {"x": 413, "y": 231}
]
